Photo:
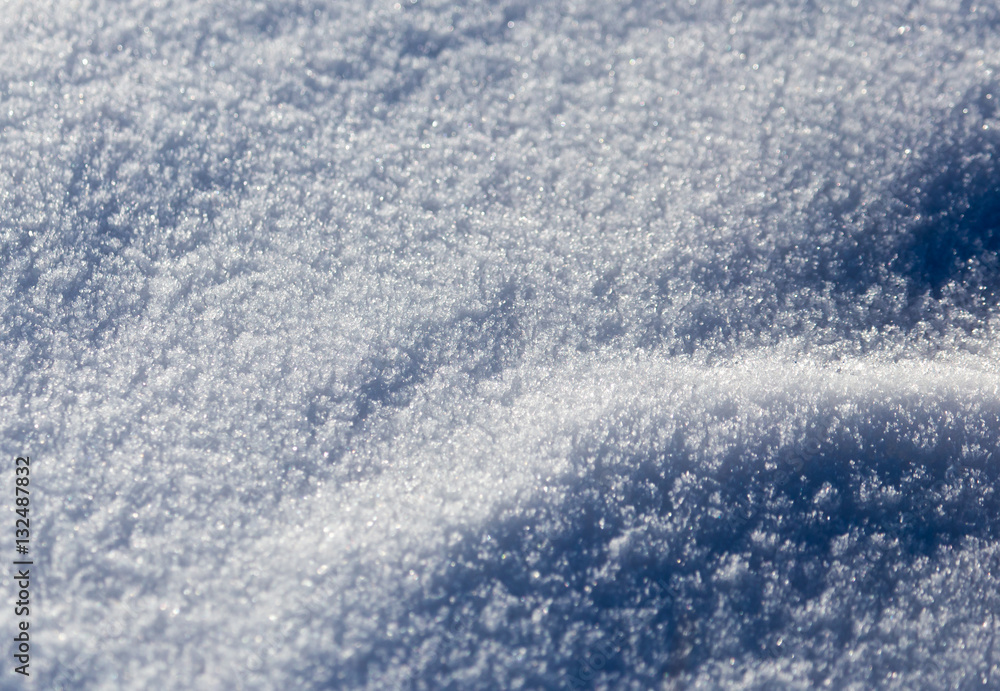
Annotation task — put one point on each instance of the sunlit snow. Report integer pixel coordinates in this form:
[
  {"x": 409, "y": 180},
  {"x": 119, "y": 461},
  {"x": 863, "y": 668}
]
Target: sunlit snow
[{"x": 499, "y": 345}]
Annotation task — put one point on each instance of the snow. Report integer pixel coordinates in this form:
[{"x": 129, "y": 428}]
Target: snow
[{"x": 504, "y": 345}]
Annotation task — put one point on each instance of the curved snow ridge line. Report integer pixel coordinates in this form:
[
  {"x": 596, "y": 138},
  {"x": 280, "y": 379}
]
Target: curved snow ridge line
[
  {"x": 588, "y": 551},
  {"x": 759, "y": 408},
  {"x": 380, "y": 541}
]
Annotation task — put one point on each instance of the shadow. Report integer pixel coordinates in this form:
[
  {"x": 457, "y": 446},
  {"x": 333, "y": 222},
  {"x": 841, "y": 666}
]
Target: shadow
[
  {"x": 929, "y": 245},
  {"x": 636, "y": 570},
  {"x": 955, "y": 192},
  {"x": 481, "y": 342},
  {"x": 486, "y": 341}
]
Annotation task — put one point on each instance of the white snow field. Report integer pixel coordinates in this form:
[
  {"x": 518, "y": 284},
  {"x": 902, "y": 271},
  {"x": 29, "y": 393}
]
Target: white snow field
[{"x": 499, "y": 345}]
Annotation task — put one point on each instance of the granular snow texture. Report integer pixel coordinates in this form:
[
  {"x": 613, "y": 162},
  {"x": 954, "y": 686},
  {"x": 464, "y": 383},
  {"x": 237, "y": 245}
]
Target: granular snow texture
[{"x": 499, "y": 345}]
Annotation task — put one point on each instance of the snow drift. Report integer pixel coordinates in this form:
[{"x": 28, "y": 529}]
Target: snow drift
[{"x": 504, "y": 345}]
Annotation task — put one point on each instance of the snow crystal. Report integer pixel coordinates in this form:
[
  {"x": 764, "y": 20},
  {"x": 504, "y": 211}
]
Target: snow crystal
[{"x": 504, "y": 345}]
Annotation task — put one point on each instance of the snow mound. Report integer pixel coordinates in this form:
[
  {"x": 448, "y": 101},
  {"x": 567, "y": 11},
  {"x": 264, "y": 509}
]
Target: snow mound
[{"x": 504, "y": 345}]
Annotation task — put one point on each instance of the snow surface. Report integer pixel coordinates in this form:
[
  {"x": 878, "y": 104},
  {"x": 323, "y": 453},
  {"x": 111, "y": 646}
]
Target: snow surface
[{"x": 504, "y": 345}]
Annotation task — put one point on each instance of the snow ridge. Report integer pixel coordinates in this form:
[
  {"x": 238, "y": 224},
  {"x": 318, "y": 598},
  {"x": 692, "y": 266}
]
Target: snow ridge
[{"x": 504, "y": 345}]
